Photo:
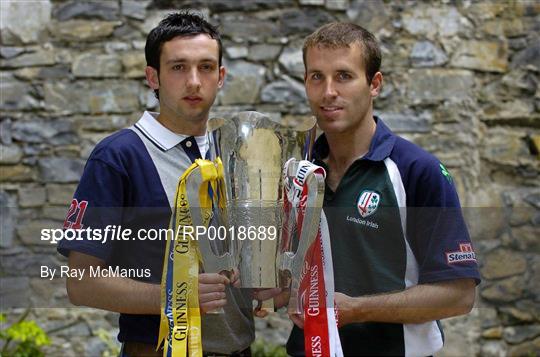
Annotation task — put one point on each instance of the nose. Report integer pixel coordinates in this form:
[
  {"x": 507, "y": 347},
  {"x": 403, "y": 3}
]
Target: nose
[
  {"x": 193, "y": 80},
  {"x": 330, "y": 89}
]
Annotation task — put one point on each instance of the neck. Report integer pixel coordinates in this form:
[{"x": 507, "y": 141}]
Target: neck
[
  {"x": 348, "y": 146},
  {"x": 181, "y": 126}
]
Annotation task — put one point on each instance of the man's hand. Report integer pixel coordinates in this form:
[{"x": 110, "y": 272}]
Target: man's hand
[
  {"x": 277, "y": 294},
  {"x": 342, "y": 305},
  {"x": 212, "y": 291}
]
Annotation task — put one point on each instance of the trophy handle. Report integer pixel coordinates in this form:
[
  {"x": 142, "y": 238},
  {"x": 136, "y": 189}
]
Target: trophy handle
[
  {"x": 212, "y": 263},
  {"x": 292, "y": 263}
]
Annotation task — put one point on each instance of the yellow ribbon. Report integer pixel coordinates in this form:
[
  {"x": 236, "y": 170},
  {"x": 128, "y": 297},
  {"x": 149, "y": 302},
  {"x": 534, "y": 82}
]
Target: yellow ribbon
[{"x": 180, "y": 324}]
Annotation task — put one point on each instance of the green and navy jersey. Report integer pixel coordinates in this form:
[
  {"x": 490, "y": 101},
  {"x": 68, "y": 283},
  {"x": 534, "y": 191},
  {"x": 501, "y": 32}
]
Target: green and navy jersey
[
  {"x": 395, "y": 221},
  {"x": 129, "y": 182}
]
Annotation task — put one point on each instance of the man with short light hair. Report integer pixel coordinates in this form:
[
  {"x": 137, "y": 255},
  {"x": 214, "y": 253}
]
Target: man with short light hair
[{"x": 401, "y": 252}]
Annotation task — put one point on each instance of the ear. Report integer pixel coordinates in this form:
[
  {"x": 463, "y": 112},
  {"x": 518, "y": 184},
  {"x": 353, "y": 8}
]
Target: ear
[
  {"x": 152, "y": 77},
  {"x": 222, "y": 73},
  {"x": 376, "y": 84}
]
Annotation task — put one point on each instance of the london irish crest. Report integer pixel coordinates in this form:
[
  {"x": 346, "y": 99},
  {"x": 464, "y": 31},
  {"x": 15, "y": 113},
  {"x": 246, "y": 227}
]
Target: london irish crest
[{"x": 368, "y": 202}]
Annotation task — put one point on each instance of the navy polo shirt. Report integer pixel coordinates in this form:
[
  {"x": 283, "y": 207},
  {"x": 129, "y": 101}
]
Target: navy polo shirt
[
  {"x": 130, "y": 180},
  {"x": 394, "y": 221}
]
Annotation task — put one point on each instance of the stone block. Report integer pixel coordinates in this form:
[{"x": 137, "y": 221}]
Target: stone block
[
  {"x": 56, "y": 213},
  {"x": 60, "y": 194},
  {"x": 302, "y": 22},
  {"x": 10, "y": 154},
  {"x": 103, "y": 10},
  {"x": 408, "y": 122},
  {"x": 371, "y": 15},
  {"x": 30, "y": 232},
  {"x": 337, "y": 4},
  {"x": 92, "y": 97},
  {"x": 530, "y": 348},
  {"x": 263, "y": 52},
  {"x": 243, "y": 84},
  {"x": 14, "y": 291},
  {"x": 134, "y": 64},
  {"x": 8, "y": 218},
  {"x": 60, "y": 71},
  {"x": 31, "y": 196},
  {"x": 530, "y": 56},
  {"x": 40, "y": 57},
  {"x": 17, "y": 25},
  {"x": 435, "y": 21},
  {"x": 312, "y": 2},
  {"x": 16, "y": 173},
  {"x": 235, "y": 52},
  {"x": 53, "y": 132},
  {"x": 493, "y": 333},
  {"x": 501, "y": 263},
  {"x": 102, "y": 123},
  {"x": 519, "y": 334},
  {"x": 16, "y": 95},
  {"x": 8, "y": 52},
  {"x": 486, "y": 56},
  {"x": 426, "y": 54},
  {"x": 434, "y": 85},
  {"x": 291, "y": 60},
  {"x": 82, "y": 30},
  {"x": 96, "y": 65},
  {"x": 135, "y": 9},
  {"x": 60, "y": 169},
  {"x": 526, "y": 237},
  {"x": 283, "y": 91},
  {"x": 503, "y": 146},
  {"x": 242, "y": 28},
  {"x": 504, "y": 291}
]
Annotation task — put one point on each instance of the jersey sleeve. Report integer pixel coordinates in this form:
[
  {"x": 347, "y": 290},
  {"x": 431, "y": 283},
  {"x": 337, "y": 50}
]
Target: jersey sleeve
[
  {"x": 436, "y": 228},
  {"x": 96, "y": 205}
]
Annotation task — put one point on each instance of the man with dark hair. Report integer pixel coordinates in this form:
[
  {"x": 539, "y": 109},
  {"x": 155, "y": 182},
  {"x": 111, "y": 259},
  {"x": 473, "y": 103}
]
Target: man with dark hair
[
  {"x": 401, "y": 252},
  {"x": 129, "y": 182}
]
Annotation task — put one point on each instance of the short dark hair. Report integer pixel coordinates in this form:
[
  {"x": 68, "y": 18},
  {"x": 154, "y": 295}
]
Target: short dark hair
[
  {"x": 343, "y": 34},
  {"x": 184, "y": 23}
]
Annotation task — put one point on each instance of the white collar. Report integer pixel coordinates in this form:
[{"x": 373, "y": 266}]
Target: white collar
[{"x": 160, "y": 135}]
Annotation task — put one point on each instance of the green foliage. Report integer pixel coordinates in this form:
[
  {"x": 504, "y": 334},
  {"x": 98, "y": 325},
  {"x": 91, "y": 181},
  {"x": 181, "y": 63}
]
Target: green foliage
[
  {"x": 112, "y": 347},
  {"x": 261, "y": 348},
  {"x": 27, "y": 336}
]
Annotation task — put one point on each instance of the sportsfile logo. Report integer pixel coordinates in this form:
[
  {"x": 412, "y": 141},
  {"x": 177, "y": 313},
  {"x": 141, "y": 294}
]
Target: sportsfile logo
[{"x": 465, "y": 254}]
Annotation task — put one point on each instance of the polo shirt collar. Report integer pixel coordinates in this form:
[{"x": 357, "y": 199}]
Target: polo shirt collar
[
  {"x": 155, "y": 131},
  {"x": 380, "y": 147}
]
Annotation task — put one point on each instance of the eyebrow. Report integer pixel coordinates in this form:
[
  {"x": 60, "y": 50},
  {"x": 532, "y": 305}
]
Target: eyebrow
[{"x": 183, "y": 60}]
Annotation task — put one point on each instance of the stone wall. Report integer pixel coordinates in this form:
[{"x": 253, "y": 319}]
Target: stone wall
[{"x": 461, "y": 80}]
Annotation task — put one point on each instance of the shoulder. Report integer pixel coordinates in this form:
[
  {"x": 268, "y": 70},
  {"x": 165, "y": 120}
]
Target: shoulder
[
  {"x": 425, "y": 178},
  {"x": 119, "y": 149}
]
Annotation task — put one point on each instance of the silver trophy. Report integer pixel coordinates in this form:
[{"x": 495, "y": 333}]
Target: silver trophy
[{"x": 254, "y": 149}]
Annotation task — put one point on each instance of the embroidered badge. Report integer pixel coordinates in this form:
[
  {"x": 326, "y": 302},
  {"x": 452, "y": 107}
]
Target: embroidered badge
[
  {"x": 368, "y": 202},
  {"x": 465, "y": 254},
  {"x": 445, "y": 173}
]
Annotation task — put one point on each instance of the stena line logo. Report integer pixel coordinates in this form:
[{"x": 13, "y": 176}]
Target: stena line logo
[
  {"x": 465, "y": 254},
  {"x": 368, "y": 202}
]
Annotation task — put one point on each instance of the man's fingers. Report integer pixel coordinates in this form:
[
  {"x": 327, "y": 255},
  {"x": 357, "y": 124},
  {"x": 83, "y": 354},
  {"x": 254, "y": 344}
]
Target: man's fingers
[
  {"x": 210, "y": 288},
  {"x": 235, "y": 278},
  {"x": 265, "y": 294},
  {"x": 204, "y": 298},
  {"x": 297, "y": 319},
  {"x": 260, "y": 313},
  {"x": 212, "y": 305},
  {"x": 213, "y": 278}
]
